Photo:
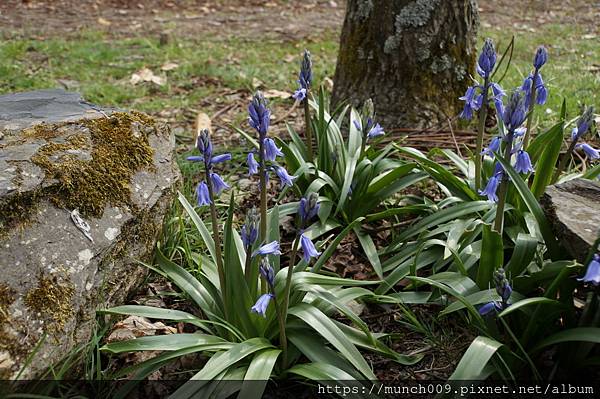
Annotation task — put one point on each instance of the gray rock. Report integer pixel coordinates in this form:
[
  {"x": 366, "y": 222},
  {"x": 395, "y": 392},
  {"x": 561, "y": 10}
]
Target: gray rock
[
  {"x": 60, "y": 153},
  {"x": 573, "y": 209}
]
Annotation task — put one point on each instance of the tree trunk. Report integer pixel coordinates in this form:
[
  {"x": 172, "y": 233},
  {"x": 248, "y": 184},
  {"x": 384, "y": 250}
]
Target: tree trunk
[{"x": 414, "y": 58}]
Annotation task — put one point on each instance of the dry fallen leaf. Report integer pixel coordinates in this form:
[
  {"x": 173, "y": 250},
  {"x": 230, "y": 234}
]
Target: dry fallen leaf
[
  {"x": 104, "y": 22},
  {"x": 169, "y": 66},
  {"x": 146, "y": 75},
  {"x": 277, "y": 94},
  {"x": 256, "y": 83},
  {"x": 203, "y": 122},
  {"x": 136, "y": 326}
]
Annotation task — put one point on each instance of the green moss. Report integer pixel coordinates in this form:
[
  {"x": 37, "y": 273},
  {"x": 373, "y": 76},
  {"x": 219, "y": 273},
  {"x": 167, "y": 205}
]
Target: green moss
[
  {"x": 7, "y": 297},
  {"x": 118, "y": 151},
  {"x": 51, "y": 300}
]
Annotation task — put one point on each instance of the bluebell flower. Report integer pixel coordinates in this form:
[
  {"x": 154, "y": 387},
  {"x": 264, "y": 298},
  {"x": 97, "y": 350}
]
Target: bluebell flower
[
  {"x": 590, "y": 151},
  {"x": 305, "y": 77},
  {"x": 261, "y": 305},
  {"x": 286, "y": 179},
  {"x": 266, "y": 270},
  {"x": 260, "y": 115},
  {"x": 592, "y": 274},
  {"x": 523, "y": 164},
  {"x": 583, "y": 123},
  {"x": 541, "y": 56},
  {"x": 252, "y": 164},
  {"x": 218, "y": 184},
  {"x": 204, "y": 145},
  {"x": 221, "y": 158},
  {"x": 489, "y": 307},
  {"x": 375, "y": 131},
  {"x": 497, "y": 90},
  {"x": 503, "y": 287},
  {"x": 299, "y": 94},
  {"x": 515, "y": 112},
  {"x": 309, "y": 207},
  {"x": 487, "y": 59},
  {"x": 491, "y": 188},
  {"x": 530, "y": 84},
  {"x": 308, "y": 248},
  {"x": 470, "y": 103},
  {"x": 202, "y": 194},
  {"x": 249, "y": 231},
  {"x": 271, "y": 248},
  {"x": 493, "y": 147},
  {"x": 520, "y": 131},
  {"x": 271, "y": 150}
]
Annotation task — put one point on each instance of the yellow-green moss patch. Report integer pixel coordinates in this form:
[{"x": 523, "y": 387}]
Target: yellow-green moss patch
[
  {"x": 51, "y": 299},
  {"x": 117, "y": 152}
]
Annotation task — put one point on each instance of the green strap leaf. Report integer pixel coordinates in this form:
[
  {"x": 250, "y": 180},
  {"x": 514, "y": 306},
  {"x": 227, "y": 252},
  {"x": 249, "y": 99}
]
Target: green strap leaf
[
  {"x": 322, "y": 324},
  {"x": 258, "y": 374},
  {"x": 583, "y": 334},
  {"x": 476, "y": 358},
  {"x": 492, "y": 256},
  {"x": 534, "y": 207}
]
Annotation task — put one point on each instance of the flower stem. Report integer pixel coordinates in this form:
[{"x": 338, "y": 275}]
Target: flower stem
[
  {"x": 309, "y": 139},
  {"x": 286, "y": 299},
  {"x": 263, "y": 200},
  {"x": 480, "y": 132},
  {"x": 563, "y": 162},
  {"x": 530, "y": 111},
  {"x": 217, "y": 239},
  {"x": 503, "y": 189}
]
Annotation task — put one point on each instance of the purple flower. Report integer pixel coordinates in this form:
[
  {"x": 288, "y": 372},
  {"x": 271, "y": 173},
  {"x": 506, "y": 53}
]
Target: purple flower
[
  {"x": 266, "y": 270},
  {"x": 309, "y": 207},
  {"x": 592, "y": 274},
  {"x": 487, "y": 59},
  {"x": 520, "y": 131},
  {"x": 375, "y": 131},
  {"x": 261, "y": 305},
  {"x": 523, "y": 164},
  {"x": 583, "y": 123},
  {"x": 260, "y": 115},
  {"x": 221, "y": 158},
  {"x": 590, "y": 151},
  {"x": 491, "y": 188},
  {"x": 271, "y": 248},
  {"x": 542, "y": 92},
  {"x": 541, "y": 56},
  {"x": 204, "y": 145},
  {"x": 503, "y": 287},
  {"x": 305, "y": 77},
  {"x": 308, "y": 248},
  {"x": 202, "y": 194},
  {"x": 252, "y": 164},
  {"x": 515, "y": 112},
  {"x": 299, "y": 94},
  {"x": 497, "y": 90},
  {"x": 489, "y": 307},
  {"x": 249, "y": 231},
  {"x": 271, "y": 150},
  {"x": 493, "y": 147},
  {"x": 470, "y": 103},
  {"x": 286, "y": 179},
  {"x": 218, "y": 184}
]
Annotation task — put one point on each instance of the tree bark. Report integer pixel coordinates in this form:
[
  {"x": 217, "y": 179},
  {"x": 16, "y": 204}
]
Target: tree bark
[{"x": 414, "y": 58}]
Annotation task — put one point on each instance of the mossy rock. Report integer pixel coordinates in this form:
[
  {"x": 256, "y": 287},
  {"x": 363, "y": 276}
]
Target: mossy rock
[{"x": 58, "y": 154}]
